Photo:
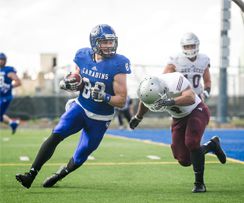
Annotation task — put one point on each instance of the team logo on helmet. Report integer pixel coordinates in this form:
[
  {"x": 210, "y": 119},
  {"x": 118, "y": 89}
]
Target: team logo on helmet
[{"x": 95, "y": 31}]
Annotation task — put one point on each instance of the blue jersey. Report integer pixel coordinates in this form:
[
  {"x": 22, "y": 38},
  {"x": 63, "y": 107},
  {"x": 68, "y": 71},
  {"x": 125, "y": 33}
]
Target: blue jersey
[
  {"x": 6, "y": 82},
  {"x": 100, "y": 74}
]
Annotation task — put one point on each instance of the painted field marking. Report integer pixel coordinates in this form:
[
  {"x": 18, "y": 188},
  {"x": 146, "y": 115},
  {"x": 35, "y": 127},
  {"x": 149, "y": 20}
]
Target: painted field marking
[
  {"x": 6, "y": 139},
  {"x": 91, "y": 158},
  {"x": 108, "y": 163},
  {"x": 24, "y": 158},
  {"x": 153, "y": 157},
  {"x": 166, "y": 145}
]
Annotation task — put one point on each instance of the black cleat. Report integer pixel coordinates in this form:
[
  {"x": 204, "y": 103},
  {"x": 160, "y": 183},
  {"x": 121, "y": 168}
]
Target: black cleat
[
  {"x": 52, "y": 180},
  {"x": 218, "y": 150},
  {"x": 25, "y": 179},
  {"x": 199, "y": 187}
]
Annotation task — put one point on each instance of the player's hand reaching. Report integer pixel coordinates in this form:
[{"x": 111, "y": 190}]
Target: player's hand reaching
[
  {"x": 134, "y": 122},
  {"x": 99, "y": 95}
]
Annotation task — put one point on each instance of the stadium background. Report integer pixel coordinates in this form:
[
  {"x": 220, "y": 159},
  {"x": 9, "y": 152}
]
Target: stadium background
[
  {"x": 46, "y": 100},
  {"x": 120, "y": 170}
]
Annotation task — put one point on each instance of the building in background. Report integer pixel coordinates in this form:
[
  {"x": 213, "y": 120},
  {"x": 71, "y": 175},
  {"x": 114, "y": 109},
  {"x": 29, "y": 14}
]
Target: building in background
[{"x": 46, "y": 82}]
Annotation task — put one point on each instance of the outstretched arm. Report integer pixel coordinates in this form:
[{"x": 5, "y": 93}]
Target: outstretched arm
[
  {"x": 15, "y": 79},
  {"x": 141, "y": 111},
  {"x": 207, "y": 83},
  {"x": 135, "y": 120}
]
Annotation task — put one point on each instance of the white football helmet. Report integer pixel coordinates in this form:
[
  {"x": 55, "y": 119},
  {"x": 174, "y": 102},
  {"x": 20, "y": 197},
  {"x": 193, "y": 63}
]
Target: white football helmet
[
  {"x": 190, "y": 39},
  {"x": 150, "y": 91}
]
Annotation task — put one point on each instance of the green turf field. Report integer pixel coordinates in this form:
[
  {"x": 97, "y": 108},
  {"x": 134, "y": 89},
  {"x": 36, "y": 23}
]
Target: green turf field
[{"x": 121, "y": 172}]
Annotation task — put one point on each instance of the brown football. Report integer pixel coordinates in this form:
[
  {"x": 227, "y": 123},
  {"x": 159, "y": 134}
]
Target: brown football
[{"x": 76, "y": 78}]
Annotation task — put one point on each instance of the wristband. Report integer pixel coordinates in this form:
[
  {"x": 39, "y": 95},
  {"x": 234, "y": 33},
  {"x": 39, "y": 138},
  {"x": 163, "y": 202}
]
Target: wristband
[
  {"x": 107, "y": 98},
  {"x": 207, "y": 89}
]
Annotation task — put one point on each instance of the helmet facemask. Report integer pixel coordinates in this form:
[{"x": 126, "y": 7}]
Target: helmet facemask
[
  {"x": 190, "y": 45},
  {"x": 190, "y": 53},
  {"x": 3, "y": 59},
  {"x": 106, "y": 47},
  {"x": 2, "y": 62}
]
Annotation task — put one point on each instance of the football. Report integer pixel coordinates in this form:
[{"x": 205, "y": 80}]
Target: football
[{"x": 75, "y": 79}]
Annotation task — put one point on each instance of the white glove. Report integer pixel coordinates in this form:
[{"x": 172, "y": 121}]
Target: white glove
[
  {"x": 99, "y": 96},
  {"x": 69, "y": 85},
  {"x": 206, "y": 94}
]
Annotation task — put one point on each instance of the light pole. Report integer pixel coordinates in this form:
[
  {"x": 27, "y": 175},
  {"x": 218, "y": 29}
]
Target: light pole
[{"x": 222, "y": 108}]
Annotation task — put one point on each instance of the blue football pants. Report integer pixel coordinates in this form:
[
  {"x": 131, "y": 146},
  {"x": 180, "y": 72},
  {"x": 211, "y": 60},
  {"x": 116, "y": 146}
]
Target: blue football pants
[{"x": 74, "y": 120}]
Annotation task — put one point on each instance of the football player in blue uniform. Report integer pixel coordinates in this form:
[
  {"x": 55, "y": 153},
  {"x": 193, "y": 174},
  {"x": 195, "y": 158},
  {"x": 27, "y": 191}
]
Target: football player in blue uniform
[
  {"x": 8, "y": 81},
  {"x": 104, "y": 77}
]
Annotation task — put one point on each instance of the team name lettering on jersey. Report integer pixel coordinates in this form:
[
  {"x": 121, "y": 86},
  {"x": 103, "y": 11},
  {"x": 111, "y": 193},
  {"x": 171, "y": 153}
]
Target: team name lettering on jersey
[
  {"x": 95, "y": 74},
  {"x": 192, "y": 69}
]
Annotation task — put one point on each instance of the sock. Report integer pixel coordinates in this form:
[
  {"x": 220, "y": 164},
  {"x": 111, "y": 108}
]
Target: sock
[
  {"x": 33, "y": 172},
  {"x": 198, "y": 161},
  {"x": 71, "y": 166},
  {"x": 46, "y": 151},
  {"x": 207, "y": 147}
]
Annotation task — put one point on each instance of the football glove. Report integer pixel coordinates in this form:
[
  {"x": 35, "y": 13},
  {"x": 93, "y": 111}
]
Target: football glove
[
  {"x": 70, "y": 83},
  {"x": 134, "y": 122},
  {"x": 206, "y": 93},
  {"x": 99, "y": 96},
  {"x": 164, "y": 102}
]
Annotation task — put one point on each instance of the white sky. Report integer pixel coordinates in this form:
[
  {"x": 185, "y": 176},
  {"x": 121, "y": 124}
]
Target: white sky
[{"x": 148, "y": 30}]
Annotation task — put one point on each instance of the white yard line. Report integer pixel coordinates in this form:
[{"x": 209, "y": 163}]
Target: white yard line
[
  {"x": 91, "y": 158},
  {"x": 24, "y": 158},
  {"x": 6, "y": 139},
  {"x": 153, "y": 157}
]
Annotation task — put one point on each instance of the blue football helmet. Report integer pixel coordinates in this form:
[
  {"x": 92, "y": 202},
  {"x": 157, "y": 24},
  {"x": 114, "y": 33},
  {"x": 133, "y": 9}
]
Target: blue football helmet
[
  {"x": 102, "y": 33},
  {"x": 3, "y": 56}
]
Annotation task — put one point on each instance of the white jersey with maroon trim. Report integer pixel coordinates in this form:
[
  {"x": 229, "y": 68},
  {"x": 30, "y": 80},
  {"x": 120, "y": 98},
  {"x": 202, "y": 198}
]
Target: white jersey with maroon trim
[
  {"x": 176, "y": 83},
  {"x": 192, "y": 70}
]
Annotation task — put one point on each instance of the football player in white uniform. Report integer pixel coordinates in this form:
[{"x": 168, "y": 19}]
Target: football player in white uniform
[
  {"x": 172, "y": 92},
  {"x": 193, "y": 65}
]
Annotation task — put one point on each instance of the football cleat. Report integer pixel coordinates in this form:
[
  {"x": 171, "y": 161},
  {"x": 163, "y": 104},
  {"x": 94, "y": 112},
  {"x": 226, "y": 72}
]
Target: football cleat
[
  {"x": 14, "y": 125},
  {"x": 59, "y": 175},
  {"x": 25, "y": 179},
  {"x": 199, "y": 187},
  {"x": 218, "y": 150}
]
